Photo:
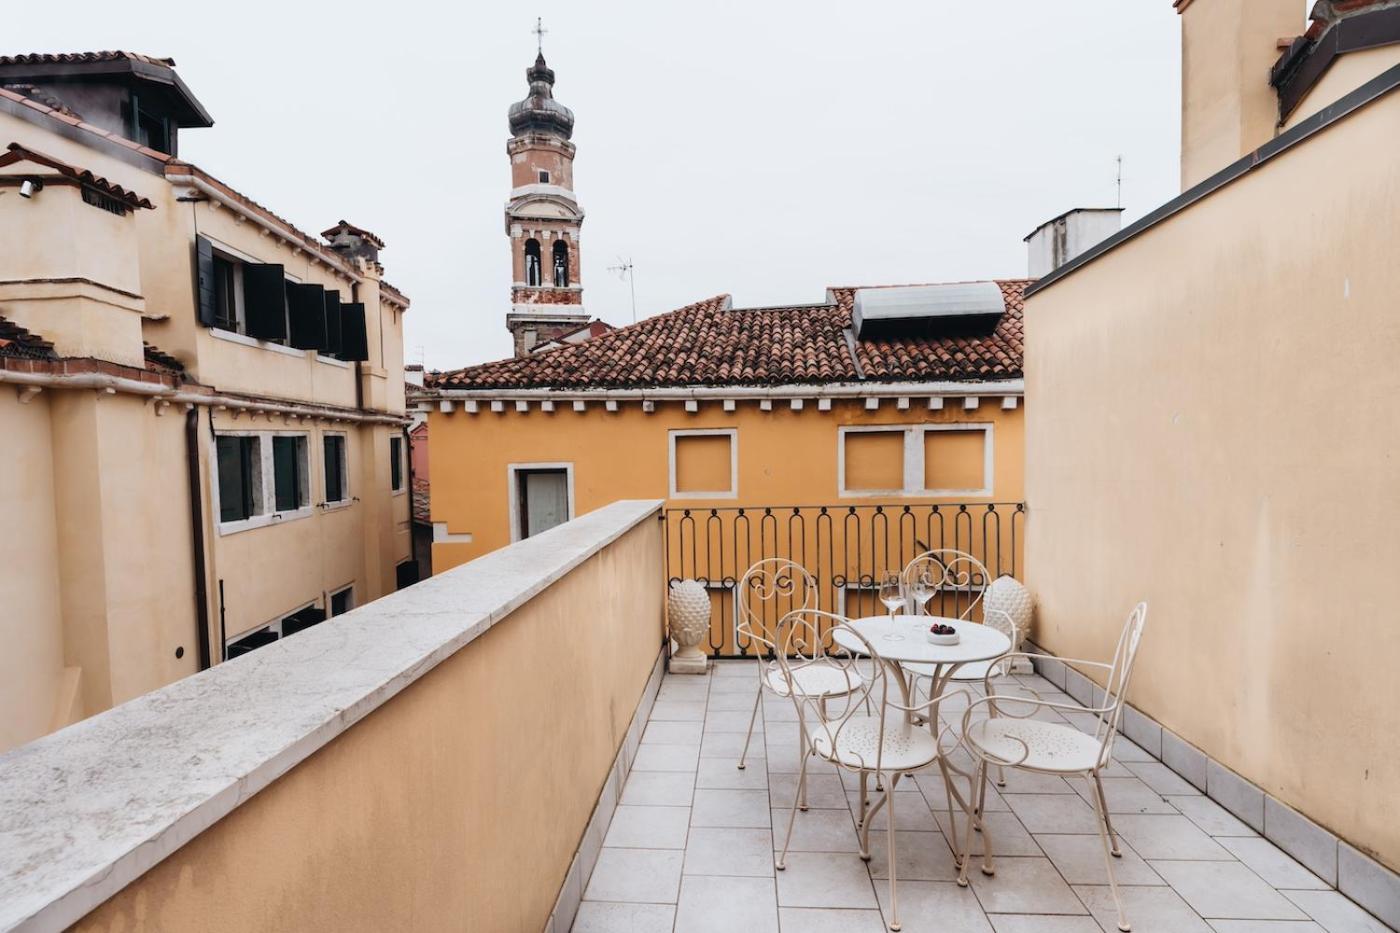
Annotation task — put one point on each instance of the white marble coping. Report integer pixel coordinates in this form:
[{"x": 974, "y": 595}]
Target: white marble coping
[{"x": 89, "y": 809}]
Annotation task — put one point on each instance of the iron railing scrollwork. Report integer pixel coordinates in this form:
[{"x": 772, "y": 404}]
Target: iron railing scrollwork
[{"x": 846, "y": 548}]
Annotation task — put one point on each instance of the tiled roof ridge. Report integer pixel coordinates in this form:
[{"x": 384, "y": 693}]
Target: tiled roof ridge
[
  {"x": 77, "y": 58},
  {"x": 158, "y": 359},
  {"x": 16, "y": 340},
  {"x": 19, "y": 153}
]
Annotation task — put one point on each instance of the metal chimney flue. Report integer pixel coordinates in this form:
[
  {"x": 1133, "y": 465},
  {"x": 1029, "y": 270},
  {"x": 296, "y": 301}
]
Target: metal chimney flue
[{"x": 1061, "y": 238}]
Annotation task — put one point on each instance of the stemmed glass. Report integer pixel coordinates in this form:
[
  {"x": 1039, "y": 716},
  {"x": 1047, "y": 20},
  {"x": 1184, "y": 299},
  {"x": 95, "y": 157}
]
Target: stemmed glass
[
  {"x": 892, "y": 595},
  {"x": 921, "y": 588}
]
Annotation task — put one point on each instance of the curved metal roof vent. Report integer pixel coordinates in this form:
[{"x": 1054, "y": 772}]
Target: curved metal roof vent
[{"x": 962, "y": 309}]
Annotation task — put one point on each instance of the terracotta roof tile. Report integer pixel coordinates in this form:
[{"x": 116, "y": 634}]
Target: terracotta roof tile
[
  {"x": 16, "y": 341},
  {"x": 15, "y": 153},
  {"x": 76, "y": 58},
  {"x": 709, "y": 343}
]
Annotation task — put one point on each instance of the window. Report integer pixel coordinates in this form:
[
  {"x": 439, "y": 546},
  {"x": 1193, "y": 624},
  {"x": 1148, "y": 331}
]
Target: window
[
  {"x": 228, "y": 295},
  {"x": 342, "y": 601},
  {"x": 396, "y": 463},
  {"x": 262, "y": 477},
  {"x": 544, "y": 177},
  {"x": 704, "y": 464},
  {"x": 916, "y": 460},
  {"x": 561, "y": 264},
  {"x": 532, "y": 262},
  {"x": 248, "y": 298},
  {"x": 289, "y": 473},
  {"x": 240, "y": 477},
  {"x": 333, "y": 450},
  {"x": 541, "y": 496}
]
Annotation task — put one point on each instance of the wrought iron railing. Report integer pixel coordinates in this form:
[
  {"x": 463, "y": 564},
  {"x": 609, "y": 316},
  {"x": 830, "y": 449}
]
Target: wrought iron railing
[{"x": 846, "y": 549}]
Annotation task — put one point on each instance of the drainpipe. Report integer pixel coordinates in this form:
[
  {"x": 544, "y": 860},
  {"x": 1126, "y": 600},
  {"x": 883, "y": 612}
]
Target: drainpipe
[
  {"x": 412, "y": 535},
  {"x": 201, "y": 594}
]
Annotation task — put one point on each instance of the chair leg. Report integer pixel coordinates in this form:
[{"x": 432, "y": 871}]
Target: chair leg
[
  {"x": 792, "y": 818},
  {"x": 864, "y": 797},
  {"x": 1108, "y": 821},
  {"x": 889, "y": 854},
  {"x": 870, "y": 818},
  {"x": 753, "y": 718},
  {"x": 804, "y": 752},
  {"x": 1001, "y": 776},
  {"x": 1108, "y": 854},
  {"x": 978, "y": 777}
]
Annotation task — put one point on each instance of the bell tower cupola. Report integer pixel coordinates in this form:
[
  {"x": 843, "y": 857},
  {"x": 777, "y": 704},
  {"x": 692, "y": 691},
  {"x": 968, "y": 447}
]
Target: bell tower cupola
[{"x": 543, "y": 217}]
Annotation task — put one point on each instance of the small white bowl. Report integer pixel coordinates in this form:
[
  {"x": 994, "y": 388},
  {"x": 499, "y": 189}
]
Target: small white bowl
[{"x": 943, "y": 639}]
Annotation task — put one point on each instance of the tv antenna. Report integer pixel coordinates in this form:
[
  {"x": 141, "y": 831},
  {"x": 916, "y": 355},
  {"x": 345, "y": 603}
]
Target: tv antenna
[
  {"x": 1120, "y": 180},
  {"x": 625, "y": 270}
]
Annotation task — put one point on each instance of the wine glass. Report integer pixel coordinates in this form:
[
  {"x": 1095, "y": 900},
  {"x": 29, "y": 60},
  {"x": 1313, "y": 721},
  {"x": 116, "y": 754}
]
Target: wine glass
[
  {"x": 921, "y": 588},
  {"x": 892, "y": 592}
]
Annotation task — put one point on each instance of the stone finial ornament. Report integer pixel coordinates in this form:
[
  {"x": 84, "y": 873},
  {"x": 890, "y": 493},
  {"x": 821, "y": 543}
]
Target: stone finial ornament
[{"x": 688, "y": 608}]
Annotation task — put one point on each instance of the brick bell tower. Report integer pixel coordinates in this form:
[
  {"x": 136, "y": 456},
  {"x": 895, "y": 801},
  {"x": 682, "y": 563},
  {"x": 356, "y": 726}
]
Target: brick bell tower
[{"x": 542, "y": 216}]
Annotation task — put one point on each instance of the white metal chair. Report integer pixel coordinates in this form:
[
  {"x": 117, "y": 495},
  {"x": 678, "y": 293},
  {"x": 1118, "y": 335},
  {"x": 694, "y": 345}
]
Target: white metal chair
[
  {"x": 759, "y": 596},
  {"x": 860, "y": 730},
  {"x": 1010, "y": 738}
]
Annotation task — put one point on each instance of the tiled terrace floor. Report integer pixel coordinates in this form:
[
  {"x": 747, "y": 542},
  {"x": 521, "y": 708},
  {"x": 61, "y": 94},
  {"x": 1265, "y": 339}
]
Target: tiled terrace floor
[{"x": 691, "y": 843}]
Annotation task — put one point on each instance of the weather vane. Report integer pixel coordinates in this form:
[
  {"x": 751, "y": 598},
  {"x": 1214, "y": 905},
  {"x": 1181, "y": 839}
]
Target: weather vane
[{"x": 539, "y": 32}]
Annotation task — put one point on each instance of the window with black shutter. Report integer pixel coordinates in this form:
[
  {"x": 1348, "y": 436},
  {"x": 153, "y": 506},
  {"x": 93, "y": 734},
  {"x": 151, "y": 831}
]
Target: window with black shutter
[
  {"x": 343, "y": 601},
  {"x": 239, "y": 463},
  {"x": 289, "y": 472},
  {"x": 334, "y": 346},
  {"x": 265, "y": 301},
  {"x": 206, "y": 306},
  {"x": 227, "y": 292},
  {"x": 333, "y": 449},
  {"x": 396, "y": 463},
  {"x": 306, "y": 314},
  {"x": 332, "y": 314},
  {"x": 353, "y": 338}
]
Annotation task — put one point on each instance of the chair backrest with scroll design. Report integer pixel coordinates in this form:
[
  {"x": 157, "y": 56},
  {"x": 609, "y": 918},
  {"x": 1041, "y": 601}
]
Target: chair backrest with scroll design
[
  {"x": 767, "y": 591},
  {"x": 948, "y": 572}
]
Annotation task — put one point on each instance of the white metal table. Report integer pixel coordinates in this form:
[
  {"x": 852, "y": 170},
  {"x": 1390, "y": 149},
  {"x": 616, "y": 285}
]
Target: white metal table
[{"x": 902, "y": 639}]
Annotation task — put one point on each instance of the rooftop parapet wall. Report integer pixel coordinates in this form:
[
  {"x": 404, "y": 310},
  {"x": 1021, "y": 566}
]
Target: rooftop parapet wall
[{"x": 402, "y": 766}]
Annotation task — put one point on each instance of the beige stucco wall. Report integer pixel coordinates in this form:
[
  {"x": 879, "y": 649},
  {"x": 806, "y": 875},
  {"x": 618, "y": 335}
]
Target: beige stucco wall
[
  {"x": 456, "y": 806},
  {"x": 1227, "y": 105},
  {"x": 1213, "y": 428}
]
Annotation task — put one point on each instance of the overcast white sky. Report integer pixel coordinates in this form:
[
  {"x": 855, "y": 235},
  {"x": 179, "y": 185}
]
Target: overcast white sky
[{"x": 765, "y": 149}]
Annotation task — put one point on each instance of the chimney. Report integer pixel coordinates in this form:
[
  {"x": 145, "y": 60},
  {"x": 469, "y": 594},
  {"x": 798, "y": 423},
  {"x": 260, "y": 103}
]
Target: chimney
[
  {"x": 413, "y": 374},
  {"x": 1061, "y": 238},
  {"x": 353, "y": 242}
]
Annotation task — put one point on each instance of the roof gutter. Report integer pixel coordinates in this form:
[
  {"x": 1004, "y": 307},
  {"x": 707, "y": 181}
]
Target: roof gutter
[
  {"x": 101, "y": 382},
  {"x": 792, "y": 390}
]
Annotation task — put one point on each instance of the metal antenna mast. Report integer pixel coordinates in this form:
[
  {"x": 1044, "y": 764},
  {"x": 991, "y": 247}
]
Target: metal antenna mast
[
  {"x": 1120, "y": 180},
  {"x": 625, "y": 270}
]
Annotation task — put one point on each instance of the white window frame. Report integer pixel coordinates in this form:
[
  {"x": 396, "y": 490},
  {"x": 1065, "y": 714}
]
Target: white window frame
[
  {"x": 348, "y": 497},
  {"x": 275, "y": 623},
  {"x": 231, "y": 254},
  {"x": 513, "y": 489},
  {"x": 914, "y": 436},
  {"x": 733, "y": 434},
  {"x": 267, "y": 491},
  {"x": 332, "y": 594},
  {"x": 403, "y": 466}
]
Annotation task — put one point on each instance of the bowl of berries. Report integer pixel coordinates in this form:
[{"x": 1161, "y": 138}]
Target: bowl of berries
[{"x": 942, "y": 634}]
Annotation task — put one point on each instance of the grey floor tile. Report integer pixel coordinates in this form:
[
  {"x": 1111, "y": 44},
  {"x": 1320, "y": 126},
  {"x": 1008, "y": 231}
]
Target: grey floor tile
[
  {"x": 1039, "y": 923},
  {"x": 649, "y": 876},
  {"x": 824, "y": 879},
  {"x": 1210, "y": 816},
  {"x": 734, "y": 702},
  {"x": 1226, "y": 890},
  {"x": 1149, "y": 909},
  {"x": 646, "y": 827},
  {"x": 730, "y": 721},
  {"x": 939, "y": 906},
  {"x": 721, "y": 773},
  {"x": 724, "y": 905},
  {"x": 829, "y": 920},
  {"x": 659, "y": 788},
  {"x": 659, "y": 732},
  {"x": 1265, "y": 926},
  {"x": 1127, "y": 795},
  {"x": 729, "y": 745},
  {"x": 911, "y": 812},
  {"x": 816, "y": 831},
  {"x": 1157, "y": 836},
  {"x": 1007, "y": 834},
  {"x": 666, "y": 758},
  {"x": 677, "y": 711},
  {"x": 1335, "y": 913},
  {"x": 1053, "y": 813},
  {"x": 741, "y": 809},
  {"x": 1029, "y": 782},
  {"x": 1025, "y": 885},
  {"x": 714, "y": 851},
  {"x": 918, "y": 856},
  {"x": 824, "y": 790},
  {"x": 605, "y": 917},
  {"x": 1162, "y": 779},
  {"x": 1272, "y": 864},
  {"x": 1080, "y": 860}
]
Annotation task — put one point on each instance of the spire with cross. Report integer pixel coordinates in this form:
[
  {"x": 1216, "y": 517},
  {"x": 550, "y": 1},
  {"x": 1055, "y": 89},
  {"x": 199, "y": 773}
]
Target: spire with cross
[{"x": 539, "y": 32}]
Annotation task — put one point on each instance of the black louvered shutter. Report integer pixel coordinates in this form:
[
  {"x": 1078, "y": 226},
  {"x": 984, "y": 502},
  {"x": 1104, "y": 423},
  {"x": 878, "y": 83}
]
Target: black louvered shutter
[
  {"x": 330, "y": 342},
  {"x": 205, "y": 294},
  {"x": 354, "y": 344},
  {"x": 305, "y": 309},
  {"x": 265, "y": 301}
]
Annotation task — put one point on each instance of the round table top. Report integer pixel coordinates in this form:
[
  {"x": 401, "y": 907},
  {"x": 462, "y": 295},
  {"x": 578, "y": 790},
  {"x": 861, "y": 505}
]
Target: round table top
[{"x": 903, "y": 639}]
